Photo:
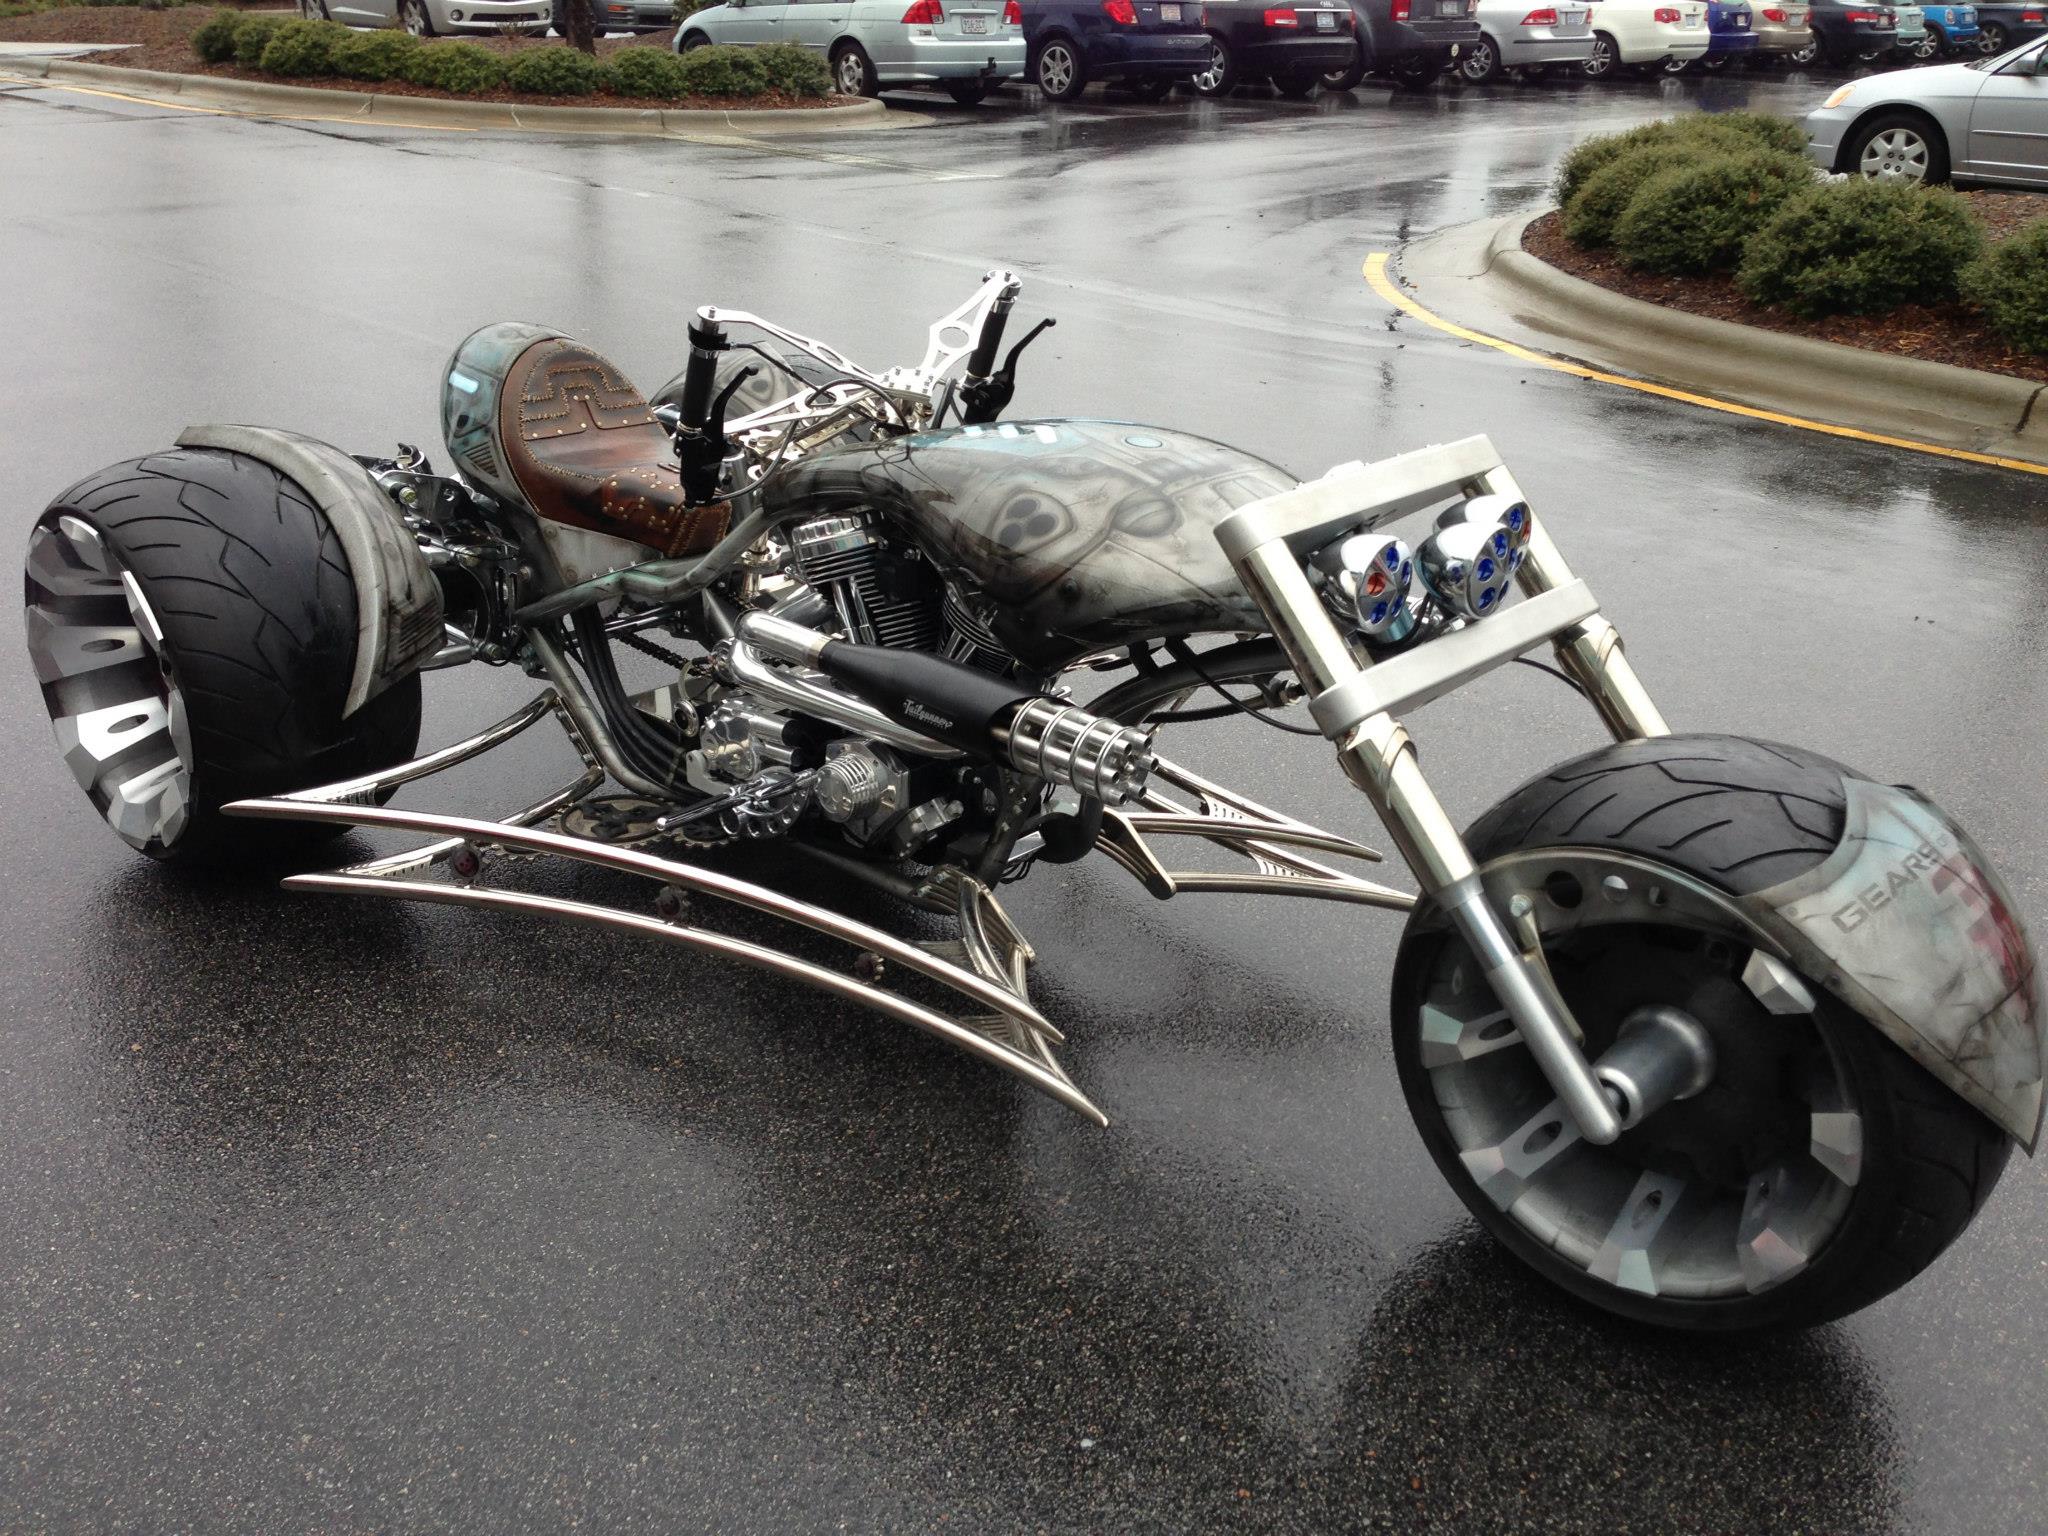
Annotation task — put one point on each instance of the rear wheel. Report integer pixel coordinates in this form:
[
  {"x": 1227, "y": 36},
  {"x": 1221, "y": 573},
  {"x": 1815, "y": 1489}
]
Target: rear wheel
[
  {"x": 1480, "y": 62},
  {"x": 1347, "y": 78},
  {"x": 193, "y": 625},
  {"x": 1604, "y": 61},
  {"x": 1218, "y": 76},
  {"x": 1930, "y": 45},
  {"x": 1806, "y": 54},
  {"x": 1416, "y": 71},
  {"x": 854, "y": 72},
  {"x": 1060, "y": 71},
  {"x": 1817, "y": 1170},
  {"x": 1992, "y": 39}
]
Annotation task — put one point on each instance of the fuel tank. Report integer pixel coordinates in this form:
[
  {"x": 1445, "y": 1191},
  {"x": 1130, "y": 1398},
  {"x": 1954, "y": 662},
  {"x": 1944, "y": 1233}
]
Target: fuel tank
[{"x": 1064, "y": 536}]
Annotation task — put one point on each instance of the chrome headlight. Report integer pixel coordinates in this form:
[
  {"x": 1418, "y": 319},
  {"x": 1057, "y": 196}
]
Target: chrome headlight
[
  {"x": 1470, "y": 561},
  {"x": 1363, "y": 579}
]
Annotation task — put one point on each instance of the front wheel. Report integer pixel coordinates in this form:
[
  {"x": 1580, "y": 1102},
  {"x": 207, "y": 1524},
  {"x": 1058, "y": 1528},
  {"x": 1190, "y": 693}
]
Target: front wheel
[
  {"x": 1899, "y": 146},
  {"x": 1060, "y": 70},
  {"x": 1817, "y": 1170},
  {"x": 1604, "y": 62},
  {"x": 1219, "y": 76},
  {"x": 192, "y": 622},
  {"x": 415, "y": 18}
]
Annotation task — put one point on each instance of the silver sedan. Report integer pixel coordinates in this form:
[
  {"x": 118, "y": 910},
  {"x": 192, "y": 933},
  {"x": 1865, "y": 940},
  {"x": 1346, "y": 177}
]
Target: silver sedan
[
  {"x": 1527, "y": 34},
  {"x": 1982, "y": 121},
  {"x": 426, "y": 18}
]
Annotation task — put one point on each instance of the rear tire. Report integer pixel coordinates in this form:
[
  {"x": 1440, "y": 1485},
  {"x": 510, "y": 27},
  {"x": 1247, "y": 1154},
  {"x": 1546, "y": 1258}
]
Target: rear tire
[
  {"x": 1417, "y": 72},
  {"x": 1604, "y": 62},
  {"x": 1480, "y": 63},
  {"x": 1347, "y": 78},
  {"x": 1851, "y": 1216},
  {"x": 1060, "y": 70},
  {"x": 1219, "y": 77},
  {"x": 853, "y": 72},
  {"x": 193, "y": 624}
]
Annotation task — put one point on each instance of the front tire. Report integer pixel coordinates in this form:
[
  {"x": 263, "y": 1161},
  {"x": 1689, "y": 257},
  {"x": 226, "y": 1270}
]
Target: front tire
[
  {"x": 1817, "y": 1171},
  {"x": 414, "y": 17},
  {"x": 1898, "y": 146},
  {"x": 192, "y": 622},
  {"x": 1604, "y": 62},
  {"x": 1219, "y": 77}
]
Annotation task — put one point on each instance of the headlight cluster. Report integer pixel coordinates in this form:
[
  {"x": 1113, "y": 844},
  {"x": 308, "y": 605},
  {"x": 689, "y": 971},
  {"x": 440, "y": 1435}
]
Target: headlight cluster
[{"x": 1466, "y": 565}]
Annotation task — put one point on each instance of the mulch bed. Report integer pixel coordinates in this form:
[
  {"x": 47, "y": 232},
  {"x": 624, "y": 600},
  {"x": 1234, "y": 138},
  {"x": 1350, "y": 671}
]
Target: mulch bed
[
  {"x": 1935, "y": 333},
  {"x": 163, "y": 41}
]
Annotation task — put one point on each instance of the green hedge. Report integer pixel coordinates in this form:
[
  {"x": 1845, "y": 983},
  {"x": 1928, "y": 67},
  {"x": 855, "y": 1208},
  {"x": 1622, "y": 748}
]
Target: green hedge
[
  {"x": 1590, "y": 217},
  {"x": 555, "y": 72},
  {"x": 302, "y": 49},
  {"x": 1697, "y": 217},
  {"x": 374, "y": 55},
  {"x": 793, "y": 70},
  {"x": 215, "y": 40},
  {"x": 723, "y": 71},
  {"x": 1860, "y": 248},
  {"x": 654, "y": 74},
  {"x": 1730, "y": 130},
  {"x": 465, "y": 69},
  {"x": 2009, "y": 283},
  {"x": 253, "y": 32}
]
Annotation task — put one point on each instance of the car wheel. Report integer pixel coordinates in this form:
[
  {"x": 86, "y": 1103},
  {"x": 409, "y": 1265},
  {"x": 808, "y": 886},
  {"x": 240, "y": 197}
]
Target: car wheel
[
  {"x": 1347, "y": 78},
  {"x": 854, "y": 72},
  {"x": 412, "y": 15},
  {"x": 1675, "y": 66},
  {"x": 1480, "y": 62},
  {"x": 1296, "y": 87},
  {"x": 1992, "y": 38},
  {"x": 692, "y": 42},
  {"x": 1805, "y": 55},
  {"x": 1929, "y": 46},
  {"x": 1417, "y": 71},
  {"x": 1151, "y": 88},
  {"x": 1219, "y": 76},
  {"x": 1060, "y": 72},
  {"x": 1604, "y": 62},
  {"x": 1898, "y": 146}
]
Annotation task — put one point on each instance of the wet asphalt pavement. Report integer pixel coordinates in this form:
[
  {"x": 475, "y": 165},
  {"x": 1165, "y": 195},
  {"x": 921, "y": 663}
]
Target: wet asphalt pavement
[{"x": 325, "y": 1217}]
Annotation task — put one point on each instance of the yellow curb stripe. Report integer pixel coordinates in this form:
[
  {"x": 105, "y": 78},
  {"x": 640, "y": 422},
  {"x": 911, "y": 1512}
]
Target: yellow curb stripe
[
  {"x": 282, "y": 117},
  {"x": 1376, "y": 275}
]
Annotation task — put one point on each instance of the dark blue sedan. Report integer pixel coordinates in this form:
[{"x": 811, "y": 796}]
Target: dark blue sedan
[{"x": 1146, "y": 45}]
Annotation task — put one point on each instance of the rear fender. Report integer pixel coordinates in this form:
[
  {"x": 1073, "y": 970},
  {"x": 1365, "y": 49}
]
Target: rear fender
[{"x": 398, "y": 601}]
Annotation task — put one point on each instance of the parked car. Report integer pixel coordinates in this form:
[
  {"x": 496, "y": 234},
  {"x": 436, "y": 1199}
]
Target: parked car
[
  {"x": 1526, "y": 35},
  {"x": 616, "y": 16},
  {"x": 1781, "y": 32},
  {"x": 1848, "y": 29},
  {"x": 1410, "y": 42},
  {"x": 1642, "y": 34},
  {"x": 1982, "y": 121},
  {"x": 1145, "y": 45},
  {"x": 1912, "y": 29},
  {"x": 1950, "y": 29},
  {"x": 1291, "y": 45},
  {"x": 1731, "y": 34},
  {"x": 2008, "y": 26},
  {"x": 963, "y": 46},
  {"x": 430, "y": 18}
]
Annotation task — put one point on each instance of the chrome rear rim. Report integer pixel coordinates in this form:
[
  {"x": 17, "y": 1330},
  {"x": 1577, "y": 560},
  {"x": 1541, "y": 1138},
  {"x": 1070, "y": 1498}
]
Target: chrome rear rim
[
  {"x": 1897, "y": 154},
  {"x": 1055, "y": 70},
  {"x": 1723, "y": 1197},
  {"x": 114, "y": 704},
  {"x": 850, "y": 74}
]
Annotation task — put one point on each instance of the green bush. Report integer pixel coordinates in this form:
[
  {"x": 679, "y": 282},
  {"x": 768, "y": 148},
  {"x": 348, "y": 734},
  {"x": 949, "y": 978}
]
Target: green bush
[
  {"x": 1698, "y": 216},
  {"x": 1730, "y": 130},
  {"x": 215, "y": 40},
  {"x": 793, "y": 69},
  {"x": 466, "y": 69},
  {"x": 304, "y": 49},
  {"x": 253, "y": 32},
  {"x": 652, "y": 73},
  {"x": 555, "y": 70},
  {"x": 1860, "y": 248},
  {"x": 375, "y": 55},
  {"x": 1590, "y": 217},
  {"x": 723, "y": 71},
  {"x": 1765, "y": 131},
  {"x": 2009, "y": 283}
]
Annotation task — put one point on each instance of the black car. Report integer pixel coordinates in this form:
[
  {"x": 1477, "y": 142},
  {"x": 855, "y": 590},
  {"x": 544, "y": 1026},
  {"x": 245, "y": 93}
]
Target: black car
[
  {"x": 1145, "y": 45},
  {"x": 2007, "y": 26},
  {"x": 1845, "y": 29},
  {"x": 1410, "y": 41},
  {"x": 1291, "y": 45}
]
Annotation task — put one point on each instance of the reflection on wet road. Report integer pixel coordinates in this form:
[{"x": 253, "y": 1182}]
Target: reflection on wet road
[{"x": 329, "y": 1217}]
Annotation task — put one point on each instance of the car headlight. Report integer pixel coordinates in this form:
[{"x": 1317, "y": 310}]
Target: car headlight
[{"x": 1841, "y": 94}]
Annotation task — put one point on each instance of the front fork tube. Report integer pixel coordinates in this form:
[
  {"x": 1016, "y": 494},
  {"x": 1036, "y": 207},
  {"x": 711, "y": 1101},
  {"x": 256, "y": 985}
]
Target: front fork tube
[{"x": 1379, "y": 758}]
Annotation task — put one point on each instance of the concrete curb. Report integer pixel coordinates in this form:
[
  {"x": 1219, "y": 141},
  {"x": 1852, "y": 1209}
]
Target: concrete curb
[
  {"x": 1796, "y": 375},
  {"x": 260, "y": 98}
]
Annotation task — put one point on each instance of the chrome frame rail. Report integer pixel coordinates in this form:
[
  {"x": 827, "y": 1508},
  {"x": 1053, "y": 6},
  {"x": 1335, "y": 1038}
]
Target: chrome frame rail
[{"x": 1353, "y": 703}]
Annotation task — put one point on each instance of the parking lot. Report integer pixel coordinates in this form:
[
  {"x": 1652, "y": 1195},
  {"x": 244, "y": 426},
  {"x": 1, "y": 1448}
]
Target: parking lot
[{"x": 327, "y": 1217}]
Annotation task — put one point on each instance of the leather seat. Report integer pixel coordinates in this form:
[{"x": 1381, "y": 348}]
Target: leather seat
[{"x": 586, "y": 450}]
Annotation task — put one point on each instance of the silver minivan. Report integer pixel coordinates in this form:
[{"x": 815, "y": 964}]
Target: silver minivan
[{"x": 966, "y": 48}]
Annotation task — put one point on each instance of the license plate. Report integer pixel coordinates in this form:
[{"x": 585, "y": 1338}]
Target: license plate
[
  {"x": 1326, "y": 21},
  {"x": 973, "y": 23},
  {"x": 1169, "y": 13}
]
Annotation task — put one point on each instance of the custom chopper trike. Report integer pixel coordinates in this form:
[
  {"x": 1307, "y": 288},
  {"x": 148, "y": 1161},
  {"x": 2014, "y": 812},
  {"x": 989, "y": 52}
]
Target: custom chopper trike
[{"x": 1715, "y": 1033}]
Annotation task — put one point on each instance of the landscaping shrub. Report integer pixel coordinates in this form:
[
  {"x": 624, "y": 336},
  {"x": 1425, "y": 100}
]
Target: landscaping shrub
[
  {"x": 304, "y": 49},
  {"x": 375, "y": 55},
  {"x": 1730, "y": 130},
  {"x": 467, "y": 69},
  {"x": 1860, "y": 248},
  {"x": 1783, "y": 134},
  {"x": 1590, "y": 216},
  {"x": 2009, "y": 283},
  {"x": 555, "y": 71},
  {"x": 723, "y": 71},
  {"x": 1696, "y": 217},
  {"x": 253, "y": 32},
  {"x": 793, "y": 70},
  {"x": 651, "y": 73},
  {"x": 215, "y": 40}
]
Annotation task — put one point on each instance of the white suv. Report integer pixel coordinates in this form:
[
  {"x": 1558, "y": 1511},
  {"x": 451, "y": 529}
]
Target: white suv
[{"x": 966, "y": 48}]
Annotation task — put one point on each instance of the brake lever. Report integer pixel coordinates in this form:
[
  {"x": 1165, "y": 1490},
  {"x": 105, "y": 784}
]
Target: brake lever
[
  {"x": 983, "y": 400},
  {"x": 714, "y": 429}
]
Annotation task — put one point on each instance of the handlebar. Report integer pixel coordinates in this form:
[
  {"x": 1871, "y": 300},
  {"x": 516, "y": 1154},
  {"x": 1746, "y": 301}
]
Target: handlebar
[{"x": 982, "y": 361}]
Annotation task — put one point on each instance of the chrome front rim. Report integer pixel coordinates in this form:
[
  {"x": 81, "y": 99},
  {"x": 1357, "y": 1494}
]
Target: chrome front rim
[
  {"x": 1211, "y": 79},
  {"x": 98, "y": 652},
  {"x": 1478, "y": 63},
  {"x": 1897, "y": 154},
  {"x": 1600, "y": 60},
  {"x": 1724, "y": 1195},
  {"x": 416, "y": 19},
  {"x": 1056, "y": 70}
]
